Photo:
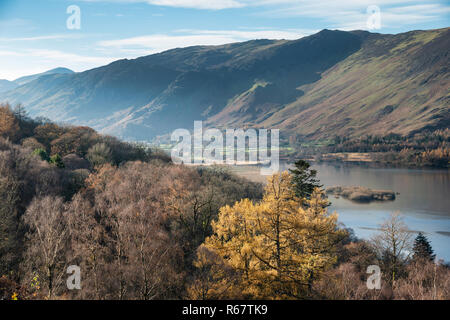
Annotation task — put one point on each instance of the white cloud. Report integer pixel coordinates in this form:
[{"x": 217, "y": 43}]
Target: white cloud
[
  {"x": 342, "y": 14},
  {"x": 193, "y": 4},
  {"x": 60, "y": 56},
  {"x": 39, "y": 60},
  {"x": 286, "y": 4},
  {"x": 48, "y": 37},
  {"x": 198, "y": 4},
  {"x": 184, "y": 38},
  {"x": 350, "y": 15}
]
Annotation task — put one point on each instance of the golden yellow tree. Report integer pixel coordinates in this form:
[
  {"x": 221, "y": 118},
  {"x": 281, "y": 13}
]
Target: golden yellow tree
[
  {"x": 277, "y": 245},
  {"x": 9, "y": 126}
]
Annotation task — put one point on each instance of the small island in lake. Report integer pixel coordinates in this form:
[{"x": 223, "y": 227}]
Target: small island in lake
[{"x": 361, "y": 194}]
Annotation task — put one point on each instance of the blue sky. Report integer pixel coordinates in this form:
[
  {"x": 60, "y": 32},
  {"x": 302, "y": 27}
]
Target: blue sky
[{"x": 34, "y": 36}]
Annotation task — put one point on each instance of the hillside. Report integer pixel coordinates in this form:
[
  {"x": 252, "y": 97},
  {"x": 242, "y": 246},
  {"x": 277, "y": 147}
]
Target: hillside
[
  {"x": 6, "y": 85},
  {"x": 333, "y": 82},
  {"x": 23, "y": 80},
  {"x": 394, "y": 84}
]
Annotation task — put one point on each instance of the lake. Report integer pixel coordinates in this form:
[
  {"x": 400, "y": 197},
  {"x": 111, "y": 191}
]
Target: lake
[{"x": 423, "y": 199}]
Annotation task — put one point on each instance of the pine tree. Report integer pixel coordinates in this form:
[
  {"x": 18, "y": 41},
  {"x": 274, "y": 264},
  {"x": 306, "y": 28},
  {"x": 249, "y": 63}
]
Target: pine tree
[
  {"x": 304, "y": 179},
  {"x": 422, "y": 249}
]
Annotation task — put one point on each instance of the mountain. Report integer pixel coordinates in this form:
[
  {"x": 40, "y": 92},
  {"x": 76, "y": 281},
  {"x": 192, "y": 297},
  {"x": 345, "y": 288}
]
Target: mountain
[
  {"x": 26, "y": 79},
  {"x": 332, "y": 82},
  {"x": 395, "y": 84},
  {"x": 6, "y": 85}
]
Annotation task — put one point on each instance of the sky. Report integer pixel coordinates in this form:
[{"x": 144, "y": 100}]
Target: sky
[{"x": 36, "y": 36}]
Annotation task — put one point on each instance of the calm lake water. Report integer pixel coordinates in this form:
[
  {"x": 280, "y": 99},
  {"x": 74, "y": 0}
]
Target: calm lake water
[{"x": 423, "y": 199}]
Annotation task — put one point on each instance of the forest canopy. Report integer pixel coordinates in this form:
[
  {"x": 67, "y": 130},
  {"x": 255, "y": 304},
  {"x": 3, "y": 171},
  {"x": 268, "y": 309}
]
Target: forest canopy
[{"x": 141, "y": 227}]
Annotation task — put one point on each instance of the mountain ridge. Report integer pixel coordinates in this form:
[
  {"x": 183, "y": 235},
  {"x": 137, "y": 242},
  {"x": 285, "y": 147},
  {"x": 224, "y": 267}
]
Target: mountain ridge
[
  {"x": 301, "y": 86},
  {"x": 6, "y": 85},
  {"x": 25, "y": 79}
]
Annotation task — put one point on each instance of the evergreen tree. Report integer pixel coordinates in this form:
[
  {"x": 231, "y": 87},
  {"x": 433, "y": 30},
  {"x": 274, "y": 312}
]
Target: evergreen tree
[
  {"x": 42, "y": 154},
  {"x": 422, "y": 248},
  {"x": 304, "y": 179},
  {"x": 57, "y": 161}
]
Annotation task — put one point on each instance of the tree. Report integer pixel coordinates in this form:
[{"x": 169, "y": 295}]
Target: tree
[
  {"x": 57, "y": 161},
  {"x": 74, "y": 140},
  {"x": 10, "y": 236},
  {"x": 41, "y": 153},
  {"x": 143, "y": 260},
  {"x": 88, "y": 245},
  {"x": 9, "y": 125},
  {"x": 213, "y": 278},
  {"x": 393, "y": 244},
  {"x": 277, "y": 245},
  {"x": 422, "y": 249},
  {"x": 99, "y": 154},
  {"x": 32, "y": 144},
  {"x": 426, "y": 280},
  {"x": 304, "y": 179},
  {"x": 20, "y": 113},
  {"x": 47, "y": 242},
  {"x": 47, "y": 132}
]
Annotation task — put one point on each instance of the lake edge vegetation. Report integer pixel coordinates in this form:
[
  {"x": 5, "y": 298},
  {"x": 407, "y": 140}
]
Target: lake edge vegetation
[{"x": 426, "y": 149}]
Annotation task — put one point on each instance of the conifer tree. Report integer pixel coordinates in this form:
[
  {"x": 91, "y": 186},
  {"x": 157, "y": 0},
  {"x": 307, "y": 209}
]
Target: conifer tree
[
  {"x": 304, "y": 179},
  {"x": 422, "y": 248}
]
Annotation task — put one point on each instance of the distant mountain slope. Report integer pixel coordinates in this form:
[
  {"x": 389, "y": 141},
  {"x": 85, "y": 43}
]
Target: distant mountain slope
[
  {"x": 333, "y": 82},
  {"x": 395, "y": 84},
  {"x": 6, "y": 85},
  {"x": 23, "y": 80}
]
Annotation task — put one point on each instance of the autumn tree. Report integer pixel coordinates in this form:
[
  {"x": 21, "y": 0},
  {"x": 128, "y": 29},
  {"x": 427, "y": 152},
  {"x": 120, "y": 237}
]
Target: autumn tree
[
  {"x": 87, "y": 242},
  {"x": 425, "y": 280},
  {"x": 9, "y": 125},
  {"x": 195, "y": 198},
  {"x": 213, "y": 278},
  {"x": 46, "y": 133},
  {"x": 193, "y": 207},
  {"x": 22, "y": 177},
  {"x": 32, "y": 143},
  {"x": 277, "y": 245},
  {"x": 143, "y": 257},
  {"x": 48, "y": 243},
  {"x": 76, "y": 140},
  {"x": 10, "y": 242}
]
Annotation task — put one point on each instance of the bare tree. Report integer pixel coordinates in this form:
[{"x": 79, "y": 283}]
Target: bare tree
[
  {"x": 393, "y": 244},
  {"x": 130, "y": 203},
  {"x": 88, "y": 247},
  {"x": 47, "y": 242},
  {"x": 426, "y": 280}
]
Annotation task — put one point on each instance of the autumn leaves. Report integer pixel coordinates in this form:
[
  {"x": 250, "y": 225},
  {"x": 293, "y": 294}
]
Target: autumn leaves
[{"x": 272, "y": 249}]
